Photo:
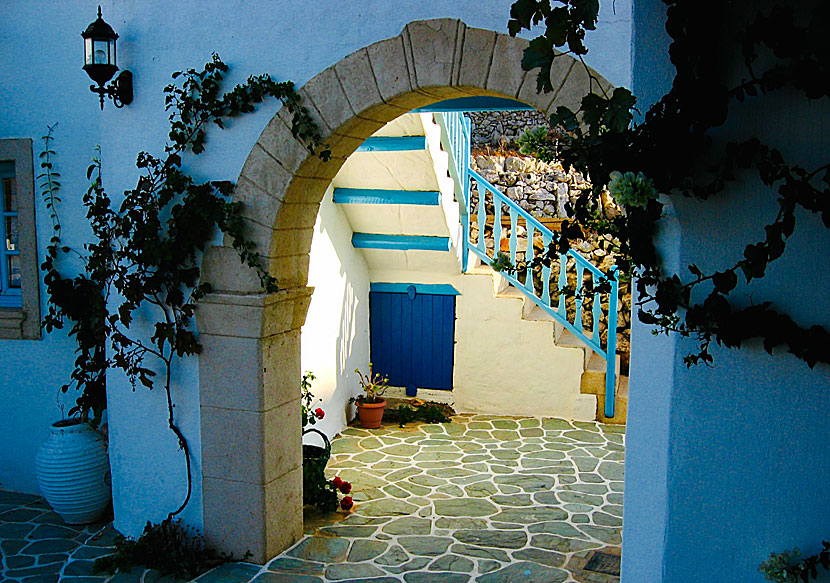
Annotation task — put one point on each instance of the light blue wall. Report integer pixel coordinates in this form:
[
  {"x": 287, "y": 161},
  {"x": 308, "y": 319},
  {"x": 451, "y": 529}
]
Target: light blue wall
[
  {"x": 653, "y": 358},
  {"x": 746, "y": 470},
  {"x": 41, "y": 82}
]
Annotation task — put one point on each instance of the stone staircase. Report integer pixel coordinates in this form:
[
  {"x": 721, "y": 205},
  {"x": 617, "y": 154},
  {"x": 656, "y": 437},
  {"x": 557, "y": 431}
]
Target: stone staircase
[{"x": 592, "y": 378}]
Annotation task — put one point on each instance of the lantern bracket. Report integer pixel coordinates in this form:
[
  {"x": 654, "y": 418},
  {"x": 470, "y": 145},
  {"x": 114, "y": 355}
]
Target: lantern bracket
[{"x": 120, "y": 90}]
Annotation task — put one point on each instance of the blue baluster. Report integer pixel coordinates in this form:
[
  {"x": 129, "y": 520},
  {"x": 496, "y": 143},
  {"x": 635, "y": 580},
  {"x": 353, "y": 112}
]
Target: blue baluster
[
  {"x": 465, "y": 241},
  {"x": 611, "y": 345},
  {"x": 496, "y": 225},
  {"x": 563, "y": 283},
  {"x": 578, "y": 296},
  {"x": 546, "y": 239},
  {"x": 514, "y": 238},
  {"x": 482, "y": 217},
  {"x": 596, "y": 313},
  {"x": 529, "y": 254}
]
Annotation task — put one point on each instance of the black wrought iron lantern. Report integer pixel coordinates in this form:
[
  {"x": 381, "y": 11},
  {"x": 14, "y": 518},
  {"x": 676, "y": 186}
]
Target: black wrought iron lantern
[{"x": 100, "y": 63}]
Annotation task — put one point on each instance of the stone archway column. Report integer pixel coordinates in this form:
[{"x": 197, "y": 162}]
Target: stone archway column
[{"x": 251, "y": 474}]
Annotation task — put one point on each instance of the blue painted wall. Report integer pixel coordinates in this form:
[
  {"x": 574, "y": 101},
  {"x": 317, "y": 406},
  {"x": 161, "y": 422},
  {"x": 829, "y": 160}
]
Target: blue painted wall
[
  {"x": 645, "y": 510},
  {"x": 746, "y": 467}
]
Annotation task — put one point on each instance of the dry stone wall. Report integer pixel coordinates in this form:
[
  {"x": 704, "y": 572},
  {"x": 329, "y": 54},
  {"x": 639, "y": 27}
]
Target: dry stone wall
[
  {"x": 503, "y": 128},
  {"x": 542, "y": 189}
]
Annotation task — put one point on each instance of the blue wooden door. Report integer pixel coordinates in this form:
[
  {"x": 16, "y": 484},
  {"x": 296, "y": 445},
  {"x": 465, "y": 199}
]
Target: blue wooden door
[{"x": 412, "y": 338}]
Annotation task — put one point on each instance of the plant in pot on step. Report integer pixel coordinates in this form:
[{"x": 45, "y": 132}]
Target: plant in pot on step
[
  {"x": 370, "y": 406},
  {"x": 72, "y": 465}
]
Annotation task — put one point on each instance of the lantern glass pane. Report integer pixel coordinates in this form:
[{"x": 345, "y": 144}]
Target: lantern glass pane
[
  {"x": 113, "y": 60},
  {"x": 100, "y": 52},
  {"x": 9, "y": 190},
  {"x": 12, "y": 234},
  {"x": 13, "y": 269},
  {"x": 87, "y": 51}
]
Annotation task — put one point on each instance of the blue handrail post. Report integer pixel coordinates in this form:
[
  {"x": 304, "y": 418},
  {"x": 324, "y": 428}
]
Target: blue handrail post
[
  {"x": 611, "y": 345},
  {"x": 465, "y": 236},
  {"x": 465, "y": 186},
  {"x": 456, "y": 130}
]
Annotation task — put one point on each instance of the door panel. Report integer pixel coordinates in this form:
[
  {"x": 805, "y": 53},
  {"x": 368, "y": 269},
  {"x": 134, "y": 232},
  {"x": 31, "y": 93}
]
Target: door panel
[{"x": 412, "y": 338}]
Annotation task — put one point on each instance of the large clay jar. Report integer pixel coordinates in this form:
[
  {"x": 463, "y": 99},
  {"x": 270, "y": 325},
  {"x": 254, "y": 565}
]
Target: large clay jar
[
  {"x": 371, "y": 414},
  {"x": 73, "y": 471}
]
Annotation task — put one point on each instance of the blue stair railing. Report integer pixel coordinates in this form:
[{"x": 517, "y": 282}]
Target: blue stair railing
[
  {"x": 456, "y": 139},
  {"x": 536, "y": 285}
]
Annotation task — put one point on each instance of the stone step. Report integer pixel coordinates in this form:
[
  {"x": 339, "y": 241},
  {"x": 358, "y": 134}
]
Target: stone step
[
  {"x": 620, "y": 404},
  {"x": 593, "y": 379}
]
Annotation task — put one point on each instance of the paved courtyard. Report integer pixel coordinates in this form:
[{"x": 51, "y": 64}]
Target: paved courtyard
[{"x": 482, "y": 499}]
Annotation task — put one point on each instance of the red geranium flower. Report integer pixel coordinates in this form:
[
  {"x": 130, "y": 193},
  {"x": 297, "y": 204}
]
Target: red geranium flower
[
  {"x": 346, "y": 503},
  {"x": 337, "y": 481},
  {"x": 319, "y": 413},
  {"x": 345, "y": 487}
]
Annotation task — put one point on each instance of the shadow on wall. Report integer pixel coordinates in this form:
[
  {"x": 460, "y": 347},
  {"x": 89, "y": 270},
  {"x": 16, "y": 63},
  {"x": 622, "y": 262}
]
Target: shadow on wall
[
  {"x": 348, "y": 359},
  {"x": 335, "y": 337}
]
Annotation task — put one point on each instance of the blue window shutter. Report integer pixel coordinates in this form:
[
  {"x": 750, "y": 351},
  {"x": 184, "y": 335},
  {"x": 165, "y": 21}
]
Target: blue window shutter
[{"x": 412, "y": 339}]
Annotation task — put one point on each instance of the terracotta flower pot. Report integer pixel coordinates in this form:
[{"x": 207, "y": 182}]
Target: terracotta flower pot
[{"x": 371, "y": 414}]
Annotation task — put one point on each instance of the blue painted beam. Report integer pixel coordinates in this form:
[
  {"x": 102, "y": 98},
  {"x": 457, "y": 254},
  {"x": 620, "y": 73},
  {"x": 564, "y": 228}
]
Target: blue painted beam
[
  {"x": 380, "y": 196},
  {"x": 481, "y": 103},
  {"x": 438, "y": 289},
  {"x": 400, "y": 242},
  {"x": 393, "y": 144}
]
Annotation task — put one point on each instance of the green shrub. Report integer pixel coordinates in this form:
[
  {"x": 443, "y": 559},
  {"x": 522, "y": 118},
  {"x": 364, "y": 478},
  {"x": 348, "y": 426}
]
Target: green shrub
[
  {"x": 428, "y": 413},
  {"x": 406, "y": 414},
  {"x": 168, "y": 547}
]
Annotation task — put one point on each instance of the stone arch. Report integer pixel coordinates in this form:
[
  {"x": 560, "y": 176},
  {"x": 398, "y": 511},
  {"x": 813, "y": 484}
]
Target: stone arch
[{"x": 249, "y": 369}]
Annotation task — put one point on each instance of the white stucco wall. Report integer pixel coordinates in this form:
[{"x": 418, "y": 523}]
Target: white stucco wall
[
  {"x": 335, "y": 337},
  {"x": 503, "y": 364},
  {"x": 44, "y": 84}
]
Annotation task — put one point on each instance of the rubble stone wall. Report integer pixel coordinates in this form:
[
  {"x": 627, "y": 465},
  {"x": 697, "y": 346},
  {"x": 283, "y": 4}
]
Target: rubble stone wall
[{"x": 503, "y": 128}]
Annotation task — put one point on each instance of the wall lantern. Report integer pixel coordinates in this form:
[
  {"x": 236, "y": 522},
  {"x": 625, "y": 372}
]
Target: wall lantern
[{"x": 100, "y": 63}]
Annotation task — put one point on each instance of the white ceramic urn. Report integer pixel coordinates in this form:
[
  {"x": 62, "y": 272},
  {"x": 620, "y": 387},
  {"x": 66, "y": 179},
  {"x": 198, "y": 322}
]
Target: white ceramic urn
[{"x": 73, "y": 471}]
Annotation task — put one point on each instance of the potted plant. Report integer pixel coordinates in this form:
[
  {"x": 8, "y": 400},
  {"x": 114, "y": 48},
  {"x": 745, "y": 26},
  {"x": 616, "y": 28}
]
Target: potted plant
[
  {"x": 73, "y": 471},
  {"x": 315, "y": 457},
  {"x": 370, "y": 406},
  {"x": 317, "y": 490}
]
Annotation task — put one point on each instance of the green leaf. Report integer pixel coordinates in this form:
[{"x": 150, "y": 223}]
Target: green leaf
[
  {"x": 619, "y": 109},
  {"x": 585, "y": 12},
  {"x": 725, "y": 281},
  {"x": 564, "y": 118}
]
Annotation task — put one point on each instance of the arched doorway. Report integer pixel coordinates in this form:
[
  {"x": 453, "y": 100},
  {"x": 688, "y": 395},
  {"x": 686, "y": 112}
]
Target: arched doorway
[{"x": 249, "y": 370}]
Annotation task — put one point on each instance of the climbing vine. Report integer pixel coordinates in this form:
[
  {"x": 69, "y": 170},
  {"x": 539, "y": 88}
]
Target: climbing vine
[
  {"x": 791, "y": 567},
  {"x": 678, "y": 146},
  {"x": 145, "y": 251}
]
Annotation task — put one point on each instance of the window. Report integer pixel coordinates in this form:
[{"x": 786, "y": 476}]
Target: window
[
  {"x": 19, "y": 297},
  {"x": 10, "y": 252}
]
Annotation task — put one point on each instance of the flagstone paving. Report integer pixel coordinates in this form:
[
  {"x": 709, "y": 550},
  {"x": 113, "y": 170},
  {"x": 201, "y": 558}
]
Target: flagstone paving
[{"x": 481, "y": 499}]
